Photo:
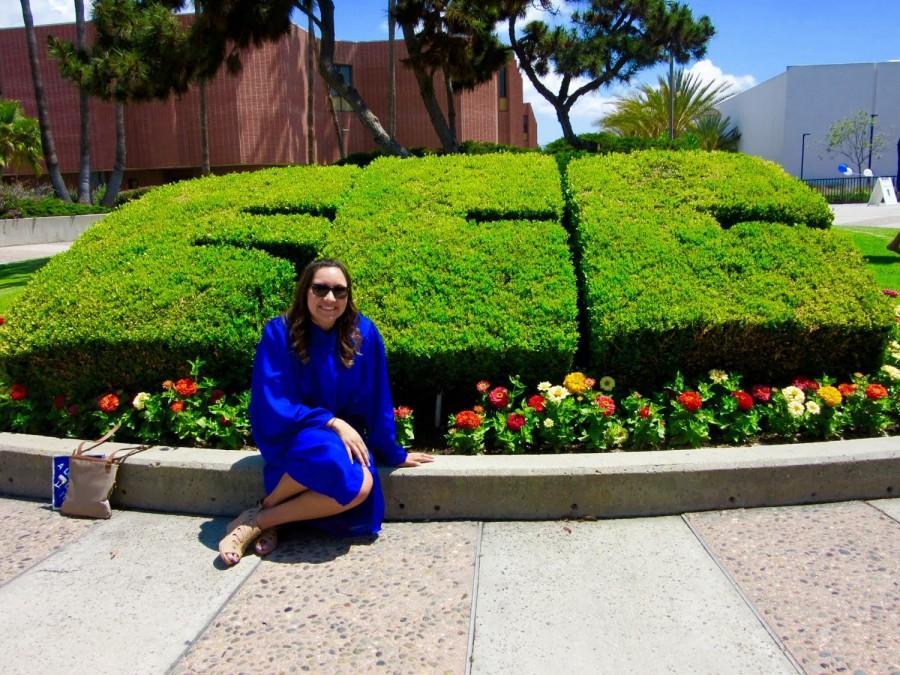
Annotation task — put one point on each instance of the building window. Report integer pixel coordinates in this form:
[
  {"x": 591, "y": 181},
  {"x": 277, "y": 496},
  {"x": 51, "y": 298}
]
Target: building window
[
  {"x": 346, "y": 72},
  {"x": 501, "y": 83}
]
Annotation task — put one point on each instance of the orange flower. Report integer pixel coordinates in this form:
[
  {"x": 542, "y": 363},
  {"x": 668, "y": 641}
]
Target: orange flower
[
  {"x": 876, "y": 392},
  {"x": 108, "y": 403},
  {"x": 606, "y": 404},
  {"x": 468, "y": 419},
  {"x": 177, "y": 407},
  {"x": 402, "y": 412},
  {"x": 186, "y": 387},
  {"x": 830, "y": 396},
  {"x": 168, "y": 384},
  {"x": 847, "y": 389},
  {"x": 691, "y": 401}
]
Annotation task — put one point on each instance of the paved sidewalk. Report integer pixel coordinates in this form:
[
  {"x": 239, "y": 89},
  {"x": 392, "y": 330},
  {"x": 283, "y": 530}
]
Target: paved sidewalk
[
  {"x": 771, "y": 590},
  {"x": 847, "y": 215},
  {"x": 9, "y": 254}
]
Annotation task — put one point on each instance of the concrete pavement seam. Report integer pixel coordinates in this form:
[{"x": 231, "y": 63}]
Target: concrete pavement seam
[
  {"x": 781, "y": 646},
  {"x": 883, "y": 512},
  {"x": 213, "y": 616},
  {"x": 470, "y": 642}
]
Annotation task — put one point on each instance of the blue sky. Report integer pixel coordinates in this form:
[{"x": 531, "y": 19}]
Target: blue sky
[{"x": 754, "y": 41}]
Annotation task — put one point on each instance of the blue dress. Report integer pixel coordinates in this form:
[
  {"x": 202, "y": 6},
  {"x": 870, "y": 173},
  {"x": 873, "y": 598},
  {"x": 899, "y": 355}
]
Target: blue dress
[{"x": 291, "y": 404}]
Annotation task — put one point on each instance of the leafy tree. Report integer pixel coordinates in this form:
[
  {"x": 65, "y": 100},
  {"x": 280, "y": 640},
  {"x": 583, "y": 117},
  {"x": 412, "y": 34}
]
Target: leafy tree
[
  {"x": 49, "y": 147},
  {"x": 454, "y": 39},
  {"x": 608, "y": 41},
  {"x": 140, "y": 54},
  {"x": 849, "y": 138},
  {"x": 644, "y": 112},
  {"x": 20, "y": 137}
]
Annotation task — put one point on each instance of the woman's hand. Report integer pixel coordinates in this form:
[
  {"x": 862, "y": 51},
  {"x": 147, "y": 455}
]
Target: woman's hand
[
  {"x": 417, "y": 459},
  {"x": 353, "y": 442}
]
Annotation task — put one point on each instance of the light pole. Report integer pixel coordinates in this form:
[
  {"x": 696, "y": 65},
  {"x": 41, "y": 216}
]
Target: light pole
[
  {"x": 872, "y": 117},
  {"x": 803, "y": 152},
  {"x": 671, "y": 94}
]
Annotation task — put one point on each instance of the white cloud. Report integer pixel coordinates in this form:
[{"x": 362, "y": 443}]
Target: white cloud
[
  {"x": 42, "y": 11},
  {"x": 707, "y": 71}
]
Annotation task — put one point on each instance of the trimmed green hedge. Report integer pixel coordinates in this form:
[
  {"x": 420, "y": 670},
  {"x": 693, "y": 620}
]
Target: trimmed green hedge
[
  {"x": 694, "y": 261},
  {"x": 463, "y": 264},
  {"x": 191, "y": 269}
]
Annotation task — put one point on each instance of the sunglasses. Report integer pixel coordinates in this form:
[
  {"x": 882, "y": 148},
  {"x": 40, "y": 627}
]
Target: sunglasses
[{"x": 321, "y": 290}]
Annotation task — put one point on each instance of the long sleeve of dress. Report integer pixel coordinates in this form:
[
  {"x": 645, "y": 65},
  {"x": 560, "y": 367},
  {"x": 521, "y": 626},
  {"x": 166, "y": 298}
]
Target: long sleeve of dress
[
  {"x": 380, "y": 410},
  {"x": 275, "y": 409}
]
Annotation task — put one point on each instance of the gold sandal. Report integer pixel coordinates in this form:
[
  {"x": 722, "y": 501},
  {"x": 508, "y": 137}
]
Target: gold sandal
[
  {"x": 242, "y": 531},
  {"x": 266, "y": 542}
]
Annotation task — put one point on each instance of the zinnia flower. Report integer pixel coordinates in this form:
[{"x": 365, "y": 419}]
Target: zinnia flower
[
  {"x": 556, "y": 393},
  {"x": 224, "y": 421},
  {"x": 891, "y": 371},
  {"x": 894, "y": 350},
  {"x": 402, "y": 412},
  {"x": 793, "y": 395},
  {"x": 108, "y": 403},
  {"x": 18, "y": 392},
  {"x": 890, "y": 292},
  {"x": 59, "y": 402},
  {"x": 805, "y": 384},
  {"x": 468, "y": 419},
  {"x": 478, "y": 409},
  {"x": 498, "y": 397},
  {"x": 515, "y": 421},
  {"x": 2, "y": 320},
  {"x": 590, "y": 382},
  {"x": 576, "y": 382},
  {"x": 718, "y": 376},
  {"x": 140, "y": 401},
  {"x": 847, "y": 389},
  {"x": 186, "y": 387},
  {"x": 544, "y": 387},
  {"x": 73, "y": 409},
  {"x": 618, "y": 434},
  {"x": 548, "y": 423},
  {"x": 482, "y": 386},
  {"x": 607, "y": 383},
  {"x": 177, "y": 407},
  {"x": 795, "y": 408},
  {"x": 606, "y": 404},
  {"x": 744, "y": 400},
  {"x": 537, "y": 403},
  {"x": 830, "y": 396},
  {"x": 644, "y": 412},
  {"x": 875, "y": 392},
  {"x": 216, "y": 395},
  {"x": 168, "y": 384},
  {"x": 813, "y": 408},
  {"x": 761, "y": 393},
  {"x": 691, "y": 401}
]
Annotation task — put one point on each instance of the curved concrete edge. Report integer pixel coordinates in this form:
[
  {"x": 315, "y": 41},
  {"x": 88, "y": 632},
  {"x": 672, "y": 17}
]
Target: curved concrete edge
[
  {"x": 48, "y": 230},
  {"x": 525, "y": 487}
]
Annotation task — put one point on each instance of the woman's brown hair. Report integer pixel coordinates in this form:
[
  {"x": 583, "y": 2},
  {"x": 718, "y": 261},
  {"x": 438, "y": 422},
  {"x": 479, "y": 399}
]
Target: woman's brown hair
[{"x": 299, "y": 318}]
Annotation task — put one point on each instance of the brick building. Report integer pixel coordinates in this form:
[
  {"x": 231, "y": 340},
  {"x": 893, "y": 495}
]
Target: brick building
[{"x": 258, "y": 117}]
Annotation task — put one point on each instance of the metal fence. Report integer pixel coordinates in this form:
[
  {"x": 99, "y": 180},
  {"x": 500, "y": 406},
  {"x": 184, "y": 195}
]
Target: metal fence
[{"x": 849, "y": 189}]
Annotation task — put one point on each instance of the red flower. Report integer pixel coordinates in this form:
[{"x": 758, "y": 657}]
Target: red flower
[
  {"x": 805, "y": 384},
  {"x": 108, "y": 403},
  {"x": 224, "y": 421},
  {"x": 186, "y": 387},
  {"x": 515, "y": 421},
  {"x": 402, "y": 412},
  {"x": 537, "y": 403},
  {"x": 18, "y": 392},
  {"x": 482, "y": 386},
  {"x": 73, "y": 409},
  {"x": 606, "y": 404},
  {"x": 216, "y": 395},
  {"x": 499, "y": 397},
  {"x": 2, "y": 320},
  {"x": 744, "y": 400},
  {"x": 59, "y": 402},
  {"x": 691, "y": 401},
  {"x": 177, "y": 407},
  {"x": 890, "y": 293},
  {"x": 644, "y": 412},
  {"x": 467, "y": 419},
  {"x": 875, "y": 392},
  {"x": 847, "y": 389},
  {"x": 761, "y": 392}
]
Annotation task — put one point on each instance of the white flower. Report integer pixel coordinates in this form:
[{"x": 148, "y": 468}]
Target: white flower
[
  {"x": 607, "y": 383},
  {"x": 548, "y": 423},
  {"x": 617, "y": 435},
  {"x": 891, "y": 371},
  {"x": 813, "y": 408},
  {"x": 795, "y": 408},
  {"x": 793, "y": 394},
  {"x": 894, "y": 349},
  {"x": 543, "y": 386},
  {"x": 897, "y": 310},
  {"x": 557, "y": 393},
  {"x": 718, "y": 376},
  {"x": 140, "y": 401}
]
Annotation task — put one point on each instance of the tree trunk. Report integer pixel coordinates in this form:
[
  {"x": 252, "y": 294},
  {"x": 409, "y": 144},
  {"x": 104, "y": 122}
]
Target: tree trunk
[
  {"x": 205, "y": 168},
  {"x": 311, "y": 154},
  {"x": 338, "y": 130},
  {"x": 333, "y": 77},
  {"x": 84, "y": 151},
  {"x": 59, "y": 186},
  {"x": 115, "y": 182},
  {"x": 392, "y": 70},
  {"x": 451, "y": 111},
  {"x": 425, "y": 81}
]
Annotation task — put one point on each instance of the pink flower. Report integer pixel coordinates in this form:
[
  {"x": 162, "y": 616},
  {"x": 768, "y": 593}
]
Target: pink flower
[
  {"x": 515, "y": 421},
  {"x": 499, "y": 397},
  {"x": 606, "y": 404},
  {"x": 805, "y": 384},
  {"x": 482, "y": 386},
  {"x": 761, "y": 392}
]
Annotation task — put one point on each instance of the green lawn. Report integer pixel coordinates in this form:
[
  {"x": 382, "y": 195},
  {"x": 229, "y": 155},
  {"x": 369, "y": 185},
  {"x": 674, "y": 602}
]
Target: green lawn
[
  {"x": 13, "y": 278},
  {"x": 873, "y": 241}
]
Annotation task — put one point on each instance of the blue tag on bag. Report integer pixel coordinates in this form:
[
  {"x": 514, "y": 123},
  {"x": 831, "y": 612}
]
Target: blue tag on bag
[{"x": 60, "y": 479}]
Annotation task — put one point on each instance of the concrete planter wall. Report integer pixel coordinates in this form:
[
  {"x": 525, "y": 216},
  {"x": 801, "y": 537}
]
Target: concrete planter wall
[{"x": 25, "y": 231}]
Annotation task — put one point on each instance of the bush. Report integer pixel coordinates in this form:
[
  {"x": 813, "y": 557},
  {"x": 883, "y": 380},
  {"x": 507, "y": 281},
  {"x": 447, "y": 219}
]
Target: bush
[
  {"x": 695, "y": 261},
  {"x": 464, "y": 265}
]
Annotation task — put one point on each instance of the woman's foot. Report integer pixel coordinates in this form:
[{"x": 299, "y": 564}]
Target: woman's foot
[
  {"x": 242, "y": 531},
  {"x": 266, "y": 542}
]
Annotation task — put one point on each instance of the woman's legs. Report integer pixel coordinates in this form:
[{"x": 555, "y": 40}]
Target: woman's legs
[
  {"x": 287, "y": 487},
  {"x": 307, "y": 505}
]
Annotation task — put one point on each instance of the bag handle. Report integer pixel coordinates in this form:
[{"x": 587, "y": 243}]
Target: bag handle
[
  {"x": 116, "y": 458},
  {"x": 80, "y": 450}
]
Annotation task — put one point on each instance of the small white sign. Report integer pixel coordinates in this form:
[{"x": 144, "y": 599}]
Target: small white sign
[{"x": 883, "y": 192}]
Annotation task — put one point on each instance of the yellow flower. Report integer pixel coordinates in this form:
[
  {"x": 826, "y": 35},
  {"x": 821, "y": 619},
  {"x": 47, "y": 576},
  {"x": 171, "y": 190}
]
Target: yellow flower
[
  {"x": 891, "y": 371},
  {"x": 607, "y": 383},
  {"x": 718, "y": 376},
  {"x": 830, "y": 396},
  {"x": 576, "y": 383}
]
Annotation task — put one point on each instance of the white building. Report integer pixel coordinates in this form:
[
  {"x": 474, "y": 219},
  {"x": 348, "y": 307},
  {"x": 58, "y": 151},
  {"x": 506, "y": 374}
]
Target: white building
[{"x": 774, "y": 116}]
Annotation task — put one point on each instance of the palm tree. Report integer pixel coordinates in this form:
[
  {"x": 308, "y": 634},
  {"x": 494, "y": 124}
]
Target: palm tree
[
  {"x": 645, "y": 112},
  {"x": 50, "y": 158},
  {"x": 392, "y": 70},
  {"x": 84, "y": 150},
  {"x": 714, "y": 132},
  {"x": 20, "y": 137}
]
